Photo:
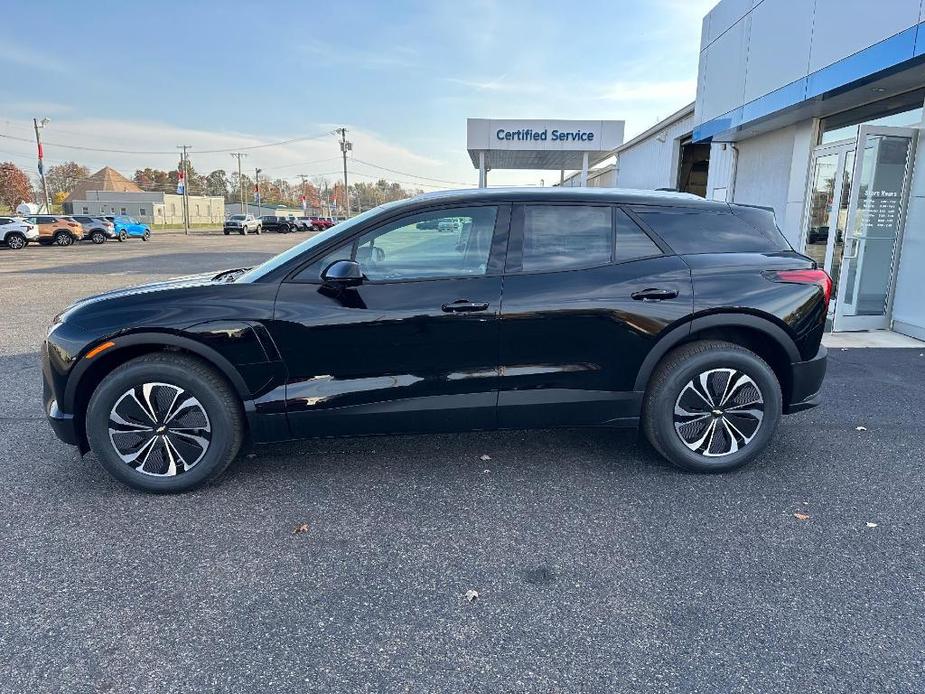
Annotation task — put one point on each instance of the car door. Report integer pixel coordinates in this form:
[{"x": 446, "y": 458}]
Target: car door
[
  {"x": 586, "y": 294},
  {"x": 415, "y": 346}
]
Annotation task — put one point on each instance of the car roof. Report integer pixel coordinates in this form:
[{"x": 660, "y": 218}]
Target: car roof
[{"x": 625, "y": 196}]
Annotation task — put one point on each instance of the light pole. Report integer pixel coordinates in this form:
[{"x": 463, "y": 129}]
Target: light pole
[
  {"x": 257, "y": 188},
  {"x": 38, "y": 143}
]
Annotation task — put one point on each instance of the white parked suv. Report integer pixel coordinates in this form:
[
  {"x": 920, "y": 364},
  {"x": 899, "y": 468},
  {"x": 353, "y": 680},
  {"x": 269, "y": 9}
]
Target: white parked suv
[
  {"x": 242, "y": 224},
  {"x": 17, "y": 233}
]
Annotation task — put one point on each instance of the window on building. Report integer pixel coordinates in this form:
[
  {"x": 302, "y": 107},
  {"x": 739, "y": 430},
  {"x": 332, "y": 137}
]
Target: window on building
[
  {"x": 142, "y": 211},
  {"x": 197, "y": 209},
  {"x": 86, "y": 210},
  {"x": 123, "y": 211},
  {"x": 901, "y": 110},
  {"x": 689, "y": 230},
  {"x": 565, "y": 237}
]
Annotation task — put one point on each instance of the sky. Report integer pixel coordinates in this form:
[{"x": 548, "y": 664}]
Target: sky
[{"x": 402, "y": 77}]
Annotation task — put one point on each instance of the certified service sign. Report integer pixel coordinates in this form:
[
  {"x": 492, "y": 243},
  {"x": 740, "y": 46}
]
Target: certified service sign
[{"x": 536, "y": 144}]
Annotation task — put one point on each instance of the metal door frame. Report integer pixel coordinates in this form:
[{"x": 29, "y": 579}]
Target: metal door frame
[
  {"x": 844, "y": 322},
  {"x": 841, "y": 149}
]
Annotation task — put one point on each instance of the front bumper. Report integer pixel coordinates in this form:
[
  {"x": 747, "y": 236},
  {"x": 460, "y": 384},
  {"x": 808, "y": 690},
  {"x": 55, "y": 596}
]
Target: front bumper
[
  {"x": 62, "y": 423},
  {"x": 806, "y": 381}
]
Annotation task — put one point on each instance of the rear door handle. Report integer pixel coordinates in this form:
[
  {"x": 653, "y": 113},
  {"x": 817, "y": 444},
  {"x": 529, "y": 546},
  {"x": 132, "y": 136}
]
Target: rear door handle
[
  {"x": 653, "y": 294},
  {"x": 463, "y": 306}
]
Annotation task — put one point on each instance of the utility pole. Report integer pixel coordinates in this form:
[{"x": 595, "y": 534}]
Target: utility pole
[
  {"x": 38, "y": 143},
  {"x": 344, "y": 148},
  {"x": 238, "y": 155},
  {"x": 257, "y": 188},
  {"x": 184, "y": 169},
  {"x": 304, "y": 199}
]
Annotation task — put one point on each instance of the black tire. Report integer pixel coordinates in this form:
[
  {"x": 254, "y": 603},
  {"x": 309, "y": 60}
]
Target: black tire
[
  {"x": 243, "y": 232},
  {"x": 63, "y": 238},
  {"x": 213, "y": 396},
  {"x": 676, "y": 387},
  {"x": 123, "y": 235},
  {"x": 97, "y": 237},
  {"x": 16, "y": 241},
  {"x": 259, "y": 229},
  {"x": 146, "y": 236}
]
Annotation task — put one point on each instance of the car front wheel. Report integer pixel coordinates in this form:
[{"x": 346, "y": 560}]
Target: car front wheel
[
  {"x": 146, "y": 236},
  {"x": 16, "y": 241},
  {"x": 711, "y": 406},
  {"x": 98, "y": 237},
  {"x": 164, "y": 423},
  {"x": 123, "y": 235},
  {"x": 62, "y": 238}
]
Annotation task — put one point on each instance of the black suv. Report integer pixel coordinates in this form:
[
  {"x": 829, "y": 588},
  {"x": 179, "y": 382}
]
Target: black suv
[{"x": 564, "y": 307}]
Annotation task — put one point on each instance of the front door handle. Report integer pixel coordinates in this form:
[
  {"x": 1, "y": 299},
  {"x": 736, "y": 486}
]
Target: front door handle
[
  {"x": 463, "y": 306},
  {"x": 653, "y": 294}
]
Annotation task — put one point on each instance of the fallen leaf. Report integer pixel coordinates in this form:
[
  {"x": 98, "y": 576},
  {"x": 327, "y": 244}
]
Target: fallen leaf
[
  {"x": 801, "y": 516},
  {"x": 484, "y": 472},
  {"x": 472, "y": 595},
  {"x": 484, "y": 457},
  {"x": 860, "y": 428},
  {"x": 301, "y": 528},
  {"x": 871, "y": 525},
  {"x": 251, "y": 455}
]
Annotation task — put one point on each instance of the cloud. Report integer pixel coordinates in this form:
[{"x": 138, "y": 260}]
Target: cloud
[
  {"x": 18, "y": 54},
  {"x": 676, "y": 90},
  {"x": 327, "y": 54},
  {"x": 154, "y": 144}
]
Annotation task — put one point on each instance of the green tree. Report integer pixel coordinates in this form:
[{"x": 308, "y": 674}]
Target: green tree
[{"x": 216, "y": 183}]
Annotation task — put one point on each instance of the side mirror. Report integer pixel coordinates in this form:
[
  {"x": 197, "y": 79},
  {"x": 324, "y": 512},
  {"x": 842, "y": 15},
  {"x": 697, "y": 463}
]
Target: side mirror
[{"x": 343, "y": 273}]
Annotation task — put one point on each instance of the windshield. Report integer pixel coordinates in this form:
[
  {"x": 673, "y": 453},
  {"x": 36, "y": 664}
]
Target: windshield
[
  {"x": 256, "y": 273},
  {"x": 238, "y": 216}
]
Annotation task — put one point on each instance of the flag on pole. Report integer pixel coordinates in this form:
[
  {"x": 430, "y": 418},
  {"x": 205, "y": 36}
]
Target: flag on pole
[
  {"x": 181, "y": 182},
  {"x": 303, "y": 203}
]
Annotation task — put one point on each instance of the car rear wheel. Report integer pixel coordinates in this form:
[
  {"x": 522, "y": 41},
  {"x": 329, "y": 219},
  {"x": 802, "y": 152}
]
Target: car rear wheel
[
  {"x": 97, "y": 237},
  {"x": 123, "y": 235},
  {"x": 63, "y": 238},
  {"x": 146, "y": 236},
  {"x": 711, "y": 406},
  {"x": 16, "y": 241},
  {"x": 243, "y": 232},
  {"x": 164, "y": 423},
  {"x": 258, "y": 230}
]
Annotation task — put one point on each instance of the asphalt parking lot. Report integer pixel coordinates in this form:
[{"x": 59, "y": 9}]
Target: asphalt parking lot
[{"x": 599, "y": 568}]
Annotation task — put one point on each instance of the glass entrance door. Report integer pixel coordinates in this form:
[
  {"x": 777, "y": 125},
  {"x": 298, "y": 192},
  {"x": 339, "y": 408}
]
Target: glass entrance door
[
  {"x": 876, "y": 207},
  {"x": 827, "y": 206}
]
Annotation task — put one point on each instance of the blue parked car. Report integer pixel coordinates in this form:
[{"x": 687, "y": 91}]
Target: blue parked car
[{"x": 126, "y": 227}]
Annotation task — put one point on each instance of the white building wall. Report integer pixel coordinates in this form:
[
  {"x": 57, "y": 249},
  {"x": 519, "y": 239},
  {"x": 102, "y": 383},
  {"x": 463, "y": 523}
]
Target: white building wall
[
  {"x": 653, "y": 162},
  {"x": 908, "y": 307}
]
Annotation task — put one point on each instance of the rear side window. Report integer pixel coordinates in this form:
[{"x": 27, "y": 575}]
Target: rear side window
[
  {"x": 632, "y": 242},
  {"x": 689, "y": 230},
  {"x": 564, "y": 237}
]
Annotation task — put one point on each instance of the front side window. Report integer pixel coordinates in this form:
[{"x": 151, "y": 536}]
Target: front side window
[
  {"x": 566, "y": 237},
  {"x": 440, "y": 243}
]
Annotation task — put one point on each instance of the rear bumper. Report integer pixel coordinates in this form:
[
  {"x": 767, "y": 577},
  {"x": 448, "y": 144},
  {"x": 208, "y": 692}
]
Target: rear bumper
[{"x": 806, "y": 382}]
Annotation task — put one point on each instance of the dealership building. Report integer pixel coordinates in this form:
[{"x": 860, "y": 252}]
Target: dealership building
[{"x": 814, "y": 108}]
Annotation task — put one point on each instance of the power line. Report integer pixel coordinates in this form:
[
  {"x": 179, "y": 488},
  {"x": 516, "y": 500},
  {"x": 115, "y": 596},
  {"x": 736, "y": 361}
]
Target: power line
[{"x": 405, "y": 173}]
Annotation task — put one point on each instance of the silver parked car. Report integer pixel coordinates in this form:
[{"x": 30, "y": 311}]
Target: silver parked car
[
  {"x": 242, "y": 224},
  {"x": 96, "y": 229}
]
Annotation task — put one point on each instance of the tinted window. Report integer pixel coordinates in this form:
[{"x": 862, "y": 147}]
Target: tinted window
[
  {"x": 632, "y": 242},
  {"x": 5, "y": 220},
  {"x": 444, "y": 243},
  {"x": 560, "y": 237},
  {"x": 706, "y": 231}
]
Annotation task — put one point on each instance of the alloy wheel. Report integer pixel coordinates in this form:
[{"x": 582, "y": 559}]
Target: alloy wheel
[
  {"x": 719, "y": 412},
  {"x": 15, "y": 241},
  {"x": 159, "y": 429}
]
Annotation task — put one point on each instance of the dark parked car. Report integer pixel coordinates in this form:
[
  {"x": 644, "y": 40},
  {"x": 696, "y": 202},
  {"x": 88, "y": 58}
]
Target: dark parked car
[
  {"x": 277, "y": 224},
  {"x": 693, "y": 318}
]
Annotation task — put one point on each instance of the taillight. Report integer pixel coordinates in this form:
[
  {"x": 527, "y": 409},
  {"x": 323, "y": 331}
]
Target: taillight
[{"x": 820, "y": 277}]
